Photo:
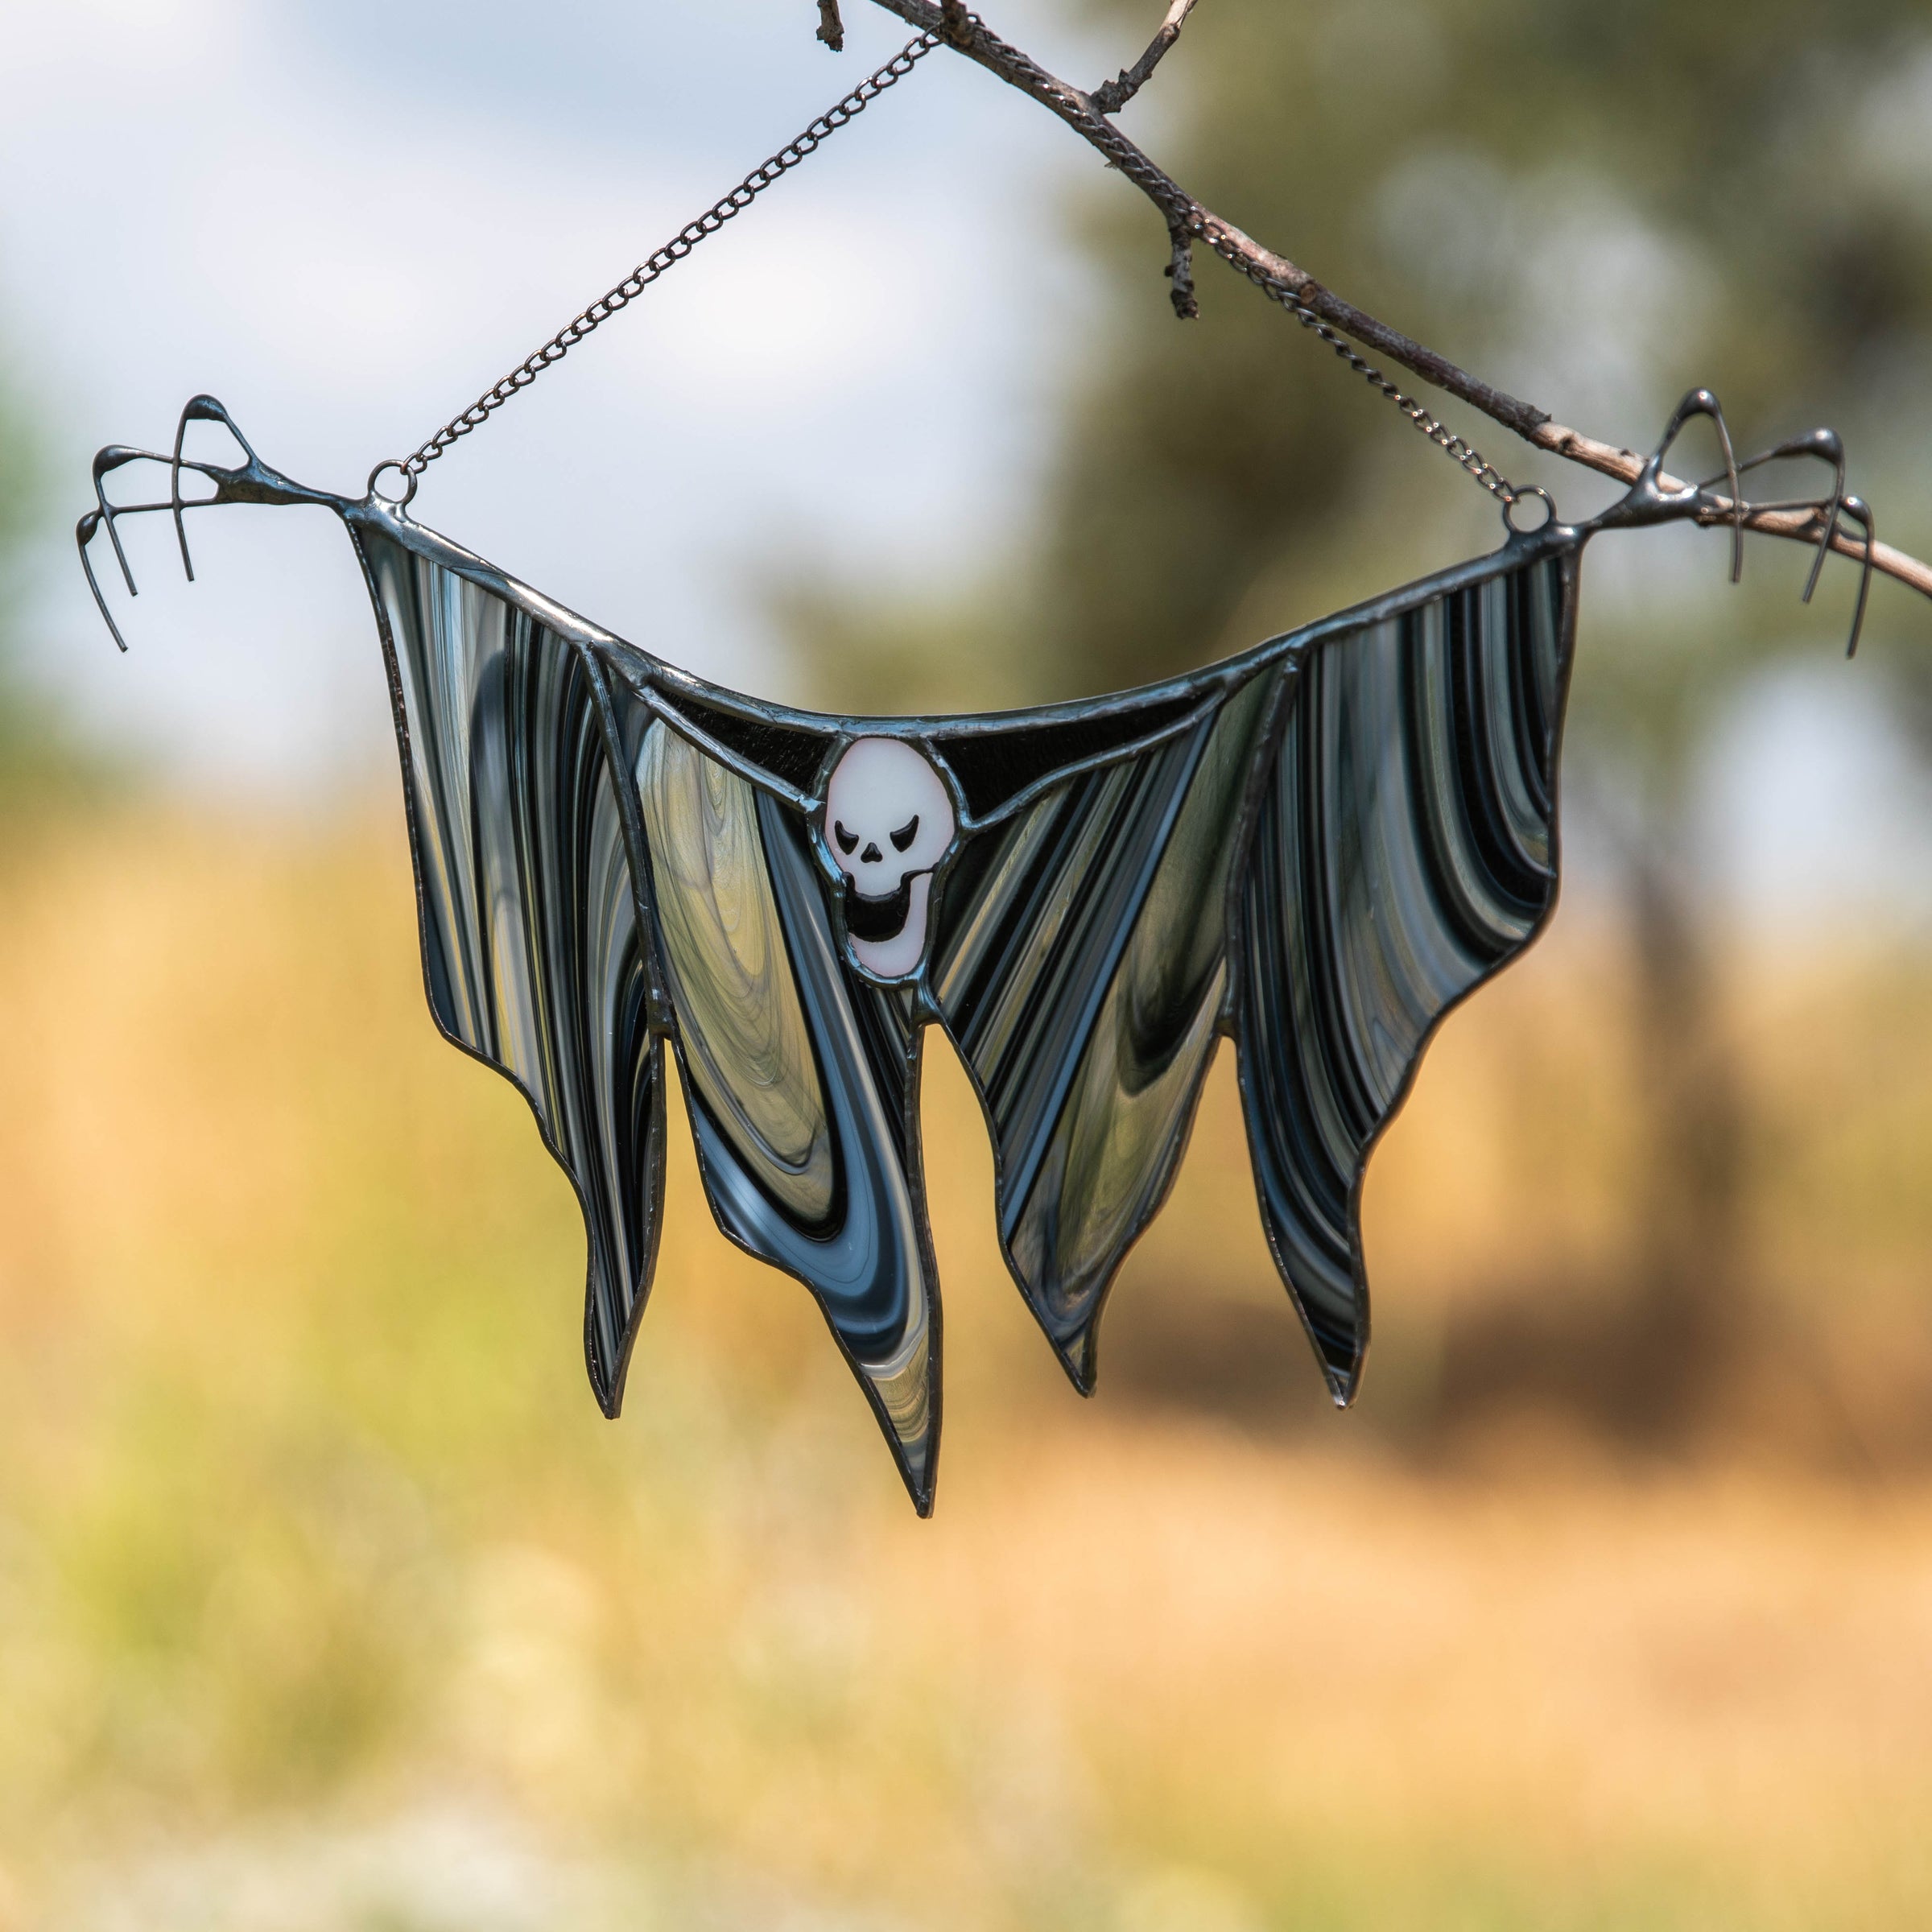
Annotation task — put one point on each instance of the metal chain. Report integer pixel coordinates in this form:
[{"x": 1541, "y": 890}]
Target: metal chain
[
  {"x": 1188, "y": 220},
  {"x": 1432, "y": 426},
  {"x": 1465, "y": 453},
  {"x": 673, "y": 252},
  {"x": 412, "y": 467}
]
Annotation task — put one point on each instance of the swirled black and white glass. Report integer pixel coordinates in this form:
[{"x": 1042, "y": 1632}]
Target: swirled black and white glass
[{"x": 1313, "y": 850}]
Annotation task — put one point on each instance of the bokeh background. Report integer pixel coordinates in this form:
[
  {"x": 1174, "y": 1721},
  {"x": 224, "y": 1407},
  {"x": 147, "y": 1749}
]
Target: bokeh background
[{"x": 327, "y": 1601}]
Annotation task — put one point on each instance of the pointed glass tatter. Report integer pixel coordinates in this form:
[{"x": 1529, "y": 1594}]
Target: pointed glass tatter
[{"x": 1315, "y": 848}]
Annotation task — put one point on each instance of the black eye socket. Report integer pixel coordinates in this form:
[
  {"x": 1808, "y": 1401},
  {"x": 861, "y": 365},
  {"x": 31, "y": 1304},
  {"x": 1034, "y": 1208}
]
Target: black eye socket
[
  {"x": 903, "y": 839},
  {"x": 849, "y": 841}
]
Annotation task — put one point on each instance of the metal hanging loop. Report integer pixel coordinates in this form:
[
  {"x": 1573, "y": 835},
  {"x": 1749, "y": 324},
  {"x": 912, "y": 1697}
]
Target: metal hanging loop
[
  {"x": 409, "y": 477},
  {"x": 1519, "y": 495}
]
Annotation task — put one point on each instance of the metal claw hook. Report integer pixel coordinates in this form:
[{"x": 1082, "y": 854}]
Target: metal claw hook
[
  {"x": 84, "y": 532},
  {"x": 251, "y": 480},
  {"x": 199, "y": 409},
  {"x": 1649, "y": 502},
  {"x": 1826, "y": 446},
  {"x": 174, "y": 494},
  {"x": 107, "y": 514},
  {"x": 1859, "y": 511},
  {"x": 1702, "y": 402},
  {"x": 115, "y": 456},
  {"x": 1822, "y": 446},
  {"x": 1832, "y": 521}
]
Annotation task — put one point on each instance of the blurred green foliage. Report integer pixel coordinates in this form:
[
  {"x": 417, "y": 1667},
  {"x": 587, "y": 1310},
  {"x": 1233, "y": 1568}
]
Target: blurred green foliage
[
  {"x": 1598, "y": 205},
  {"x": 39, "y": 763},
  {"x": 20, "y": 510}
]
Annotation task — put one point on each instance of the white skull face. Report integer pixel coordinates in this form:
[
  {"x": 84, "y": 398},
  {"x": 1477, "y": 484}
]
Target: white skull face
[{"x": 888, "y": 820}]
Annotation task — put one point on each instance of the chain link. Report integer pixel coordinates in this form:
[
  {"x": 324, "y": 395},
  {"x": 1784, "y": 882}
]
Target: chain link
[
  {"x": 1192, "y": 223},
  {"x": 1465, "y": 453},
  {"x": 667, "y": 257},
  {"x": 1438, "y": 432}
]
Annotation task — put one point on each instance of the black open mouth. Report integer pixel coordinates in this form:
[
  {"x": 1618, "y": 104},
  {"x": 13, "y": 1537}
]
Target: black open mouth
[{"x": 874, "y": 921}]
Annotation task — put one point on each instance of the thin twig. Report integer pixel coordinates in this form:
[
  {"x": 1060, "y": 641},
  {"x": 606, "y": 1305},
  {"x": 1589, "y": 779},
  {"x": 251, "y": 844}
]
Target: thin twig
[
  {"x": 831, "y": 29},
  {"x": 1268, "y": 271},
  {"x": 1181, "y": 270},
  {"x": 1277, "y": 276},
  {"x": 1113, "y": 95},
  {"x": 1802, "y": 526}
]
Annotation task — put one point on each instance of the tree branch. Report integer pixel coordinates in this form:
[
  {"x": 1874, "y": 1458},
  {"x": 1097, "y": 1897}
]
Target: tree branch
[
  {"x": 1114, "y": 95},
  {"x": 1297, "y": 291},
  {"x": 831, "y": 29},
  {"x": 1273, "y": 273},
  {"x": 1804, "y": 526}
]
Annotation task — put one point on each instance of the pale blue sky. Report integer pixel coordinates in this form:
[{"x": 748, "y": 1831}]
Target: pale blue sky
[{"x": 344, "y": 219}]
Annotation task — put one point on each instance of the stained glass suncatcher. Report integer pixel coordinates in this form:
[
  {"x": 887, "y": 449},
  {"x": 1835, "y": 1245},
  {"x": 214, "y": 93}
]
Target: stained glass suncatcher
[{"x": 1315, "y": 849}]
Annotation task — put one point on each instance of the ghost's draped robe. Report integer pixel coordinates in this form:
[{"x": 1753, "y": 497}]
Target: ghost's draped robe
[{"x": 1316, "y": 849}]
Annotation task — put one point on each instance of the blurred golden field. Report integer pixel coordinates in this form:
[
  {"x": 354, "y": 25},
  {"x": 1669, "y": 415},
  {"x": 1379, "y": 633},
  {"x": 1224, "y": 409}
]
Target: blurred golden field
[{"x": 327, "y": 1599}]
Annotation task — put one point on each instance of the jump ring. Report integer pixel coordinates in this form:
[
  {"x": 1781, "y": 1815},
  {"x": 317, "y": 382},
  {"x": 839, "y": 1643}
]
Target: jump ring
[
  {"x": 1516, "y": 496},
  {"x": 409, "y": 477}
]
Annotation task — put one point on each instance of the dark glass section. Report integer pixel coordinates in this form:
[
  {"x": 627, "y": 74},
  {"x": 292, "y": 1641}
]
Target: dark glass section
[
  {"x": 783, "y": 751},
  {"x": 995, "y": 766},
  {"x": 1405, "y": 852}
]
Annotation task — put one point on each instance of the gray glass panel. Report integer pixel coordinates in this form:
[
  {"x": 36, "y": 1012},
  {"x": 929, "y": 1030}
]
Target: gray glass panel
[
  {"x": 529, "y": 930},
  {"x": 1083, "y": 976},
  {"x": 1320, "y": 846},
  {"x": 1405, "y": 851}
]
